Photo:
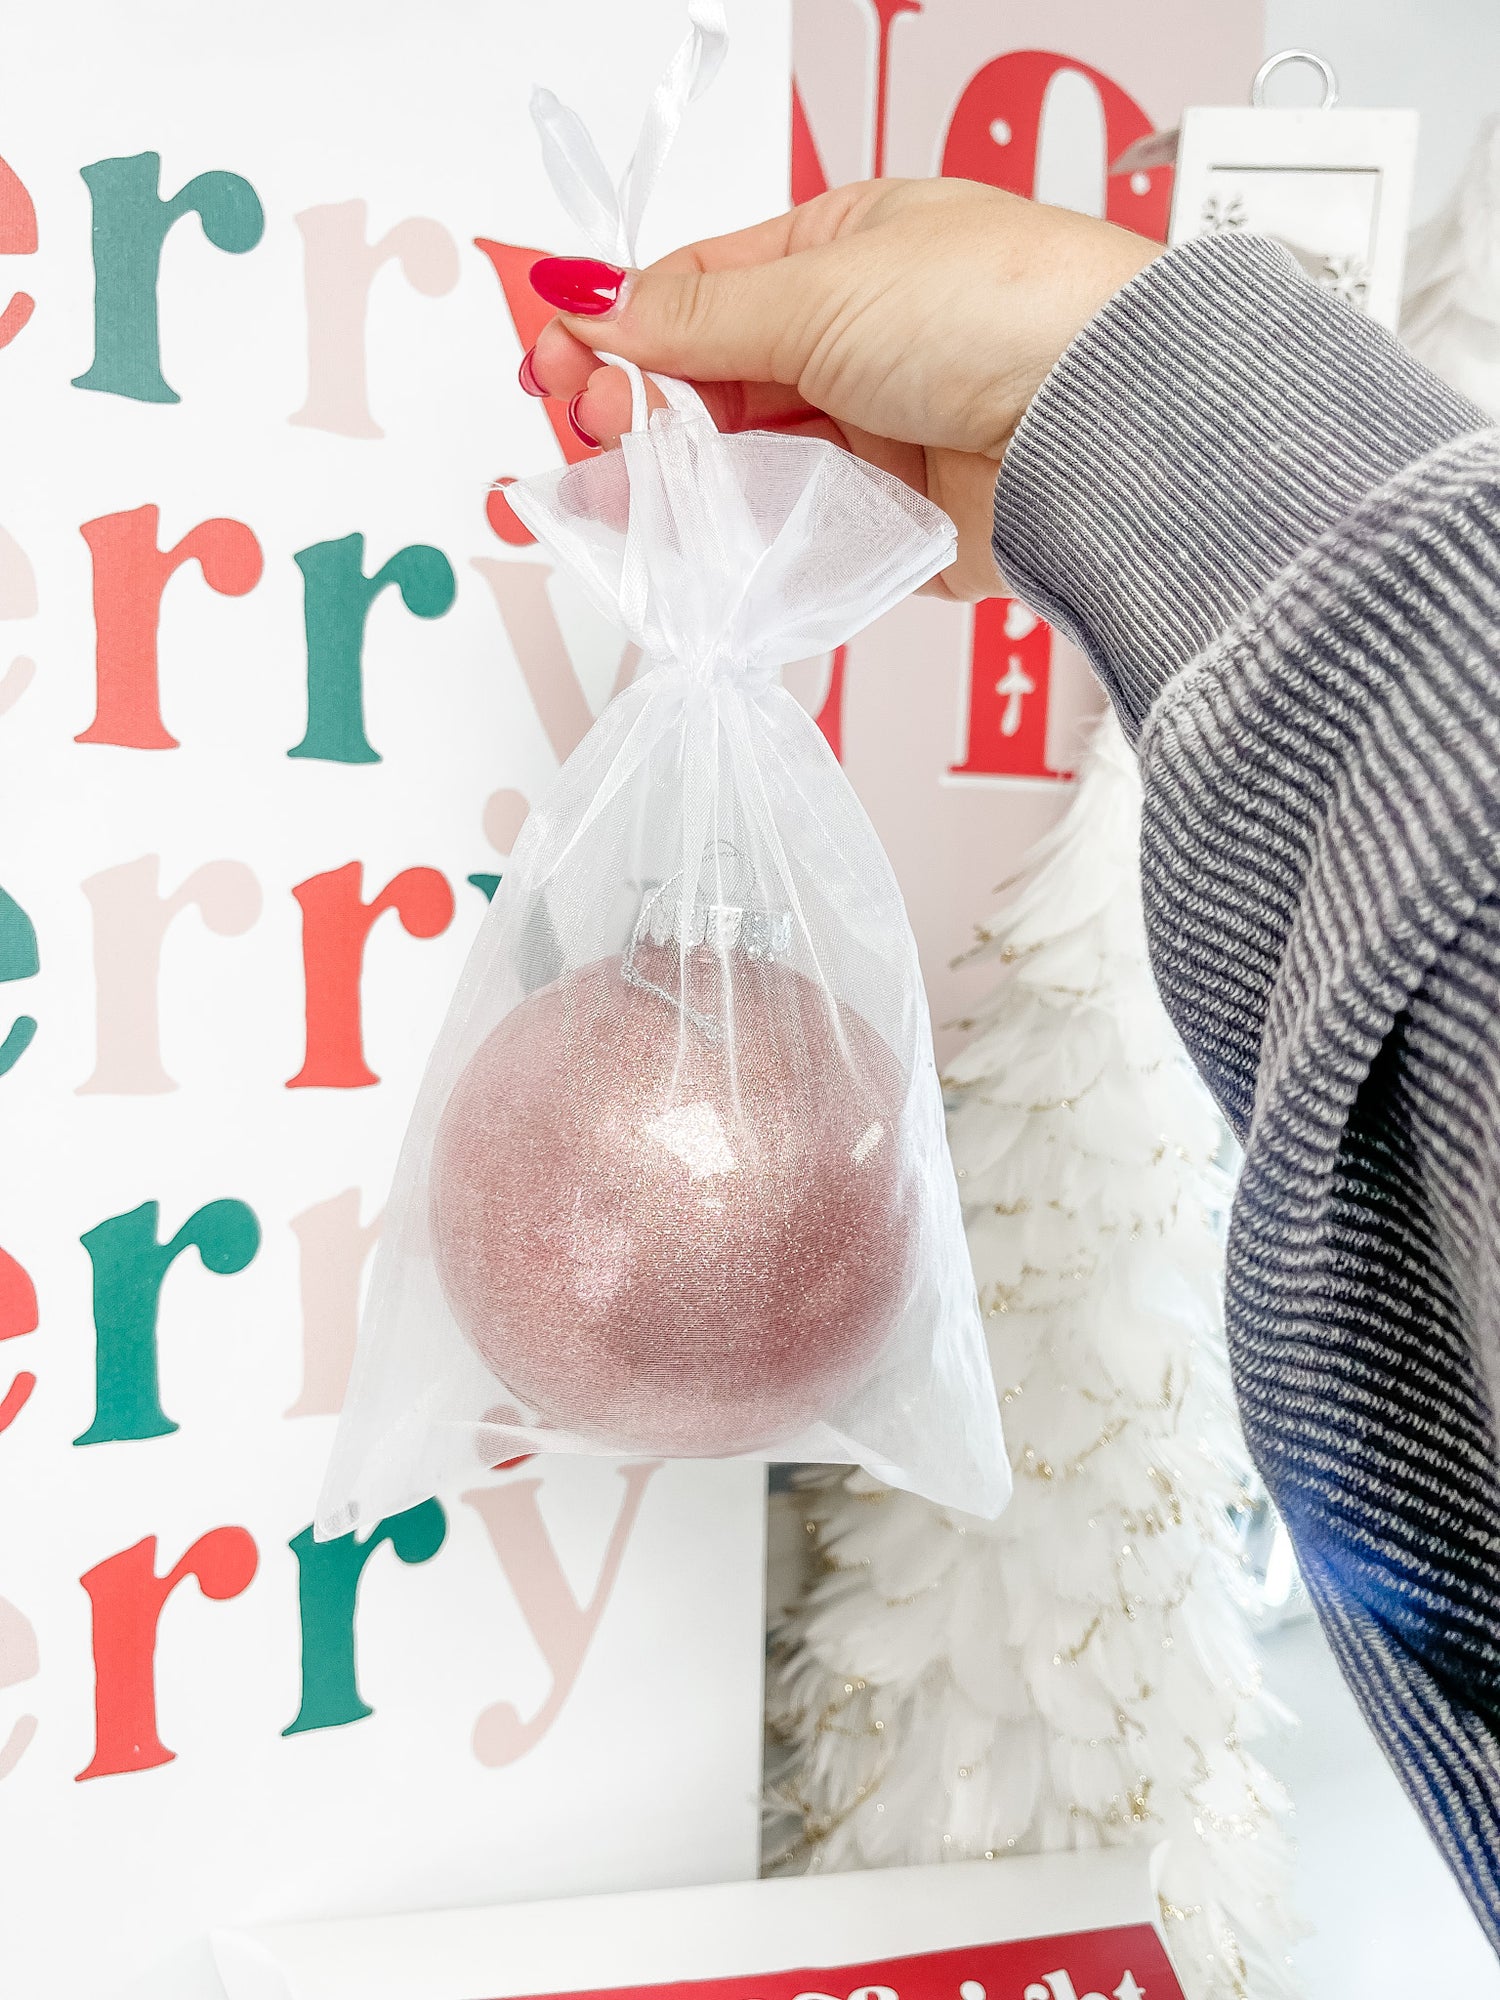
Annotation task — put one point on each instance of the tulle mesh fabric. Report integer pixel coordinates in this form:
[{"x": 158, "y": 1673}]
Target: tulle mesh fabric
[{"x": 702, "y": 789}]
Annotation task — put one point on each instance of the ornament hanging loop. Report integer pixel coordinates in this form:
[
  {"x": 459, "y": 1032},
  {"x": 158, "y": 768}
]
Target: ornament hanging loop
[
  {"x": 610, "y": 215},
  {"x": 1281, "y": 59}
]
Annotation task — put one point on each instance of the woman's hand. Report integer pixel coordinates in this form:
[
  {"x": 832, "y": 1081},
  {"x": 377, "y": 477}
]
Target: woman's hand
[{"x": 911, "y": 321}]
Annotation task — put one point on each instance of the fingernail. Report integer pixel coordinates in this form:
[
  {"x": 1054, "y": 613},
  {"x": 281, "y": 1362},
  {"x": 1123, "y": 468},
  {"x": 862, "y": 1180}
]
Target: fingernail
[
  {"x": 584, "y": 285},
  {"x": 526, "y": 374},
  {"x": 579, "y": 432}
]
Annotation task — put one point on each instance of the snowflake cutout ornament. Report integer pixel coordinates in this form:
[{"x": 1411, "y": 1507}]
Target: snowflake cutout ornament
[
  {"x": 1333, "y": 185},
  {"x": 1223, "y": 212},
  {"x": 1347, "y": 277}
]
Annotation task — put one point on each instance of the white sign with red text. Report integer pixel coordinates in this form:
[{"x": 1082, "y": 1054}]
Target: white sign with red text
[{"x": 1054, "y": 1927}]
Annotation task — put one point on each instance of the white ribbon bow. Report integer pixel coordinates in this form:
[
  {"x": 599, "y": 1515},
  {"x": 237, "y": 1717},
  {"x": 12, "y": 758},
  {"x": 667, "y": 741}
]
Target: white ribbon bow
[{"x": 610, "y": 216}]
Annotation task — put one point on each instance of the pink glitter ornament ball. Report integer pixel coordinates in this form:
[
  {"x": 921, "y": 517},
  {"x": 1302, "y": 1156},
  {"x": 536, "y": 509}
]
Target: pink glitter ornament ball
[{"x": 667, "y": 1241}]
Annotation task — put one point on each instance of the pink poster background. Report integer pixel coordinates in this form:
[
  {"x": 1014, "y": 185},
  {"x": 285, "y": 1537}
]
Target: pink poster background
[{"x": 914, "y": 702}]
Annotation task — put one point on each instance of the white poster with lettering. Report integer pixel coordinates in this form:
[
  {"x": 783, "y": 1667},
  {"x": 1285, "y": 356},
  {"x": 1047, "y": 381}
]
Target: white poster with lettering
[{"x": 279, "y": 680}]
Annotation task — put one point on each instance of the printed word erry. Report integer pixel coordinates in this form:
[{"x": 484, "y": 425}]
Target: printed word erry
[{"x": 1001, "y": 735}]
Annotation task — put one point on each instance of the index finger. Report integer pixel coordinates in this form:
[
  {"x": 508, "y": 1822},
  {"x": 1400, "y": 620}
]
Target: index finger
[
  {"x": 802, "y": 228},
  {"x": 562, "y": 362}
]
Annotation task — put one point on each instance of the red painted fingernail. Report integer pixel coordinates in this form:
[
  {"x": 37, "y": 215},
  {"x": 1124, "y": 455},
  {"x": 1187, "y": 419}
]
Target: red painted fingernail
[
  {"x": 578, "y": 284},
  {"x": 526, "y": 374},
  {"x": 578, "y": 431}
]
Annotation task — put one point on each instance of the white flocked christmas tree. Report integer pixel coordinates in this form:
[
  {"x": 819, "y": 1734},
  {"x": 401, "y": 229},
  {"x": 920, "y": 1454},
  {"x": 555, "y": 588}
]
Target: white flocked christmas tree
[
  {"x": 1079, "y": 1672},
  {"x": 1450, "y": 317}
]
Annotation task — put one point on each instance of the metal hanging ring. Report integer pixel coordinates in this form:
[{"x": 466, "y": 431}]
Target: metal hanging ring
[{"x": 1273, "y": 63}]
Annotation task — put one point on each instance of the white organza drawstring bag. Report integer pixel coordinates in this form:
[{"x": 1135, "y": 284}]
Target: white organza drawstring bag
[{"x": 677, "y": 1182}]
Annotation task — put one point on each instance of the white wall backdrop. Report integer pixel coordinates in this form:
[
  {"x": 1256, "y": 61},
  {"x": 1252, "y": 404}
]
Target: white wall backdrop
[{"x": 1443, "y": 56}]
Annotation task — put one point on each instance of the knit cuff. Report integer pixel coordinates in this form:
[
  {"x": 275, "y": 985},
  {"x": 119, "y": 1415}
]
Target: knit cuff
[{"x": 1207, "y": 425}]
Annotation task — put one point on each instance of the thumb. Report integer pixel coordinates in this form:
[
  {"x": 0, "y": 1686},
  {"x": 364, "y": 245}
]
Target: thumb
[{"x": 749, "y": 323}]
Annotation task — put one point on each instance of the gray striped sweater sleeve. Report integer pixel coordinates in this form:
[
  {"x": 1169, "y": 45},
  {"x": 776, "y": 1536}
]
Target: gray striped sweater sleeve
[{"x": 1278, "y": 540}]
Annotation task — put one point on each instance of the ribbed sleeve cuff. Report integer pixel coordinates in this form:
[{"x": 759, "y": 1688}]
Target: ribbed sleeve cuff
[{"x": 1207, "y": 425}]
